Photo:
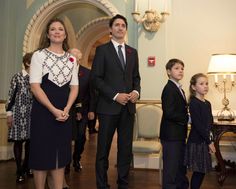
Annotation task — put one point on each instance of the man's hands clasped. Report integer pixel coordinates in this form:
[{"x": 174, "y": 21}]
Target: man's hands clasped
[{"x": 123, "y": 98}]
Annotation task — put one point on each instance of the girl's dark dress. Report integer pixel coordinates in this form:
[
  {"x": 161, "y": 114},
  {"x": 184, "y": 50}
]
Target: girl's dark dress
[
  {"x": 197, "y": 156},
  {"x": 50, "y": 145}
]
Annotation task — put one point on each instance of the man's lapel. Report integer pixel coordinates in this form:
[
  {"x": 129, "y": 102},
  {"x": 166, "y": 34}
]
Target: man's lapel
[
  {"x": 178, "y": 91},
  {"x": 114, "y": 55},
  {"x": 128, "y": 55}
]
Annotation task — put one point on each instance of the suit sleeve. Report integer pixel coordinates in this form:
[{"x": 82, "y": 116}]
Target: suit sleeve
[
  {"x": 98, "y": 72},
  {"x": 212, "y": 119},
  {"x": 136, "y": 75},
  {"x": 82, "y": 105},
  {"x": 169, "y": 108},
  {"x": 12, "y": 94},
  {"x": 92, "y": 97}
]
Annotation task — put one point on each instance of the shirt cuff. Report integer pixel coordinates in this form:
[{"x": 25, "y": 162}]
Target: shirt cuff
[
  {"x": 136, "y": 92},
  {"x": 114, "y": 98},
  {"x": 9, "y": 113}
]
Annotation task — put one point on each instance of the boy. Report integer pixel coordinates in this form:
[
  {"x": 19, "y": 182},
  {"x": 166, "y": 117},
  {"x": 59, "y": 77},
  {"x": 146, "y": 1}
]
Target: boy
[{"x": 173, "y": 130}]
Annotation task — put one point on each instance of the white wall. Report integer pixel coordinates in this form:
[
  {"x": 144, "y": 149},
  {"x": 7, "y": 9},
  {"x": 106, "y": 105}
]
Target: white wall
[{"x": 193, "y": 31}]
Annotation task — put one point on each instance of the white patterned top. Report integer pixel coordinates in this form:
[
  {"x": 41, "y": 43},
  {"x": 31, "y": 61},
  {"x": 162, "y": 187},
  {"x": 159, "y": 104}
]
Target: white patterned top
[{"x": 61, "y": 68}]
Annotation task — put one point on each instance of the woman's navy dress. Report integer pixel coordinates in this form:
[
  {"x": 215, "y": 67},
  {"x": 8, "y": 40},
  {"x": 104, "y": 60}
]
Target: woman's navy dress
[{"x": 50, "y": 145}]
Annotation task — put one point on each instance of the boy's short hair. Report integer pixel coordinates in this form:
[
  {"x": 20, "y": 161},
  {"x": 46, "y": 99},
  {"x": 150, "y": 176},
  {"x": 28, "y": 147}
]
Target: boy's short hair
[
  {"x": 27, "y": 59},
  {"x": 172, "y": 62}
]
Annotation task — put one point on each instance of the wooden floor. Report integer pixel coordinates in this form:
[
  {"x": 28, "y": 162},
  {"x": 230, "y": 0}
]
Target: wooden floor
[{"x": 85, "y": 179}]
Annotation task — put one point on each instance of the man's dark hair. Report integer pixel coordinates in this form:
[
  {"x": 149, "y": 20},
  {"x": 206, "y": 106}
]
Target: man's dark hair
[
  {"x": 118, "y": 16},
  {"x": 172, "y": 62}
]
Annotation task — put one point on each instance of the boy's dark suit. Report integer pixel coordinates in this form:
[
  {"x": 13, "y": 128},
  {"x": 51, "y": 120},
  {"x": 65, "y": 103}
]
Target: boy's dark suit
[
  {"x": 173, "y": 133},
  {"x": 175, "y": 113},
  {"x": 109, "y": 78}
]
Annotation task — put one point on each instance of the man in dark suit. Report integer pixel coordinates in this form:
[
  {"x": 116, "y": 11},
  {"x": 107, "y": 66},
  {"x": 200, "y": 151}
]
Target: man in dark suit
[
  {"x": 173, "y": 131},
  {"x": 115, "y": 75},
  {"x": 84, "y": 109}
]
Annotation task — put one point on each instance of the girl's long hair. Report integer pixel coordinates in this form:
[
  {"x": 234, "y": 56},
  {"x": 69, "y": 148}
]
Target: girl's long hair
[{"x": 193, "y": 82}]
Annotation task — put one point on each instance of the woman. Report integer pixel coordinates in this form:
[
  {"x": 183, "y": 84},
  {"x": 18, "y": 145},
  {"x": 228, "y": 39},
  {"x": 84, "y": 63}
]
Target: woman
[{"x": 54, "y": 84}]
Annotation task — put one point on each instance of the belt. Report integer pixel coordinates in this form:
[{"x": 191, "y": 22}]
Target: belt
[{"x": 78, "y": 105}]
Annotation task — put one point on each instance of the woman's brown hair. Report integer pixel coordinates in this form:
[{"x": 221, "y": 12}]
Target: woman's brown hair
[{"x": 45, "y": 41}]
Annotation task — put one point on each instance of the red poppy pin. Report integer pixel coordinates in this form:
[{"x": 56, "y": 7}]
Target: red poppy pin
[
  {"x": 81, "y": 73},
  {"x": 71, "y": 59},
  {"x": 129, "y": 51}
]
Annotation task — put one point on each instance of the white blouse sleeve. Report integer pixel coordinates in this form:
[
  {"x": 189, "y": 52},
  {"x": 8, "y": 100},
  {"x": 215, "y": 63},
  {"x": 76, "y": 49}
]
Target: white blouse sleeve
[
  {"x": 75, "y": 76},
  {"x": 36, "y": 68}
]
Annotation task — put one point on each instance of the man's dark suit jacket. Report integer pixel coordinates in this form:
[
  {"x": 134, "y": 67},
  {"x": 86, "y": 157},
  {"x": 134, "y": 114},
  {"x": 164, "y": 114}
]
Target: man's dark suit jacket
[
  {"x": 109, "y": 78},
  {"x": 86, "y": 99},
  {"x": 175, "y": 113},
  {"x": 83, "y": 98}
]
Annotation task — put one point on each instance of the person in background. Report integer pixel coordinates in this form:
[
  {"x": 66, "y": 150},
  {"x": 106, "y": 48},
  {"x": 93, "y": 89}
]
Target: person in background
[
  {"x": 54, "y": 84},
  {"x": 83, "y": 108},
  {"x": 92, "y": 124},
  {"x": 92, "y": 115},
  {"x": 173, "y": 130},
  {"x": 115, "y": 76},
  {"x": 18, "y": 110},
  {"x": 200, "y": 144}
]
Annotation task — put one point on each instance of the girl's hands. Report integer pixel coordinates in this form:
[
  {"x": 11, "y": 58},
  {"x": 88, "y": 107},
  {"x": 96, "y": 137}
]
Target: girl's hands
[{"x": 212, "y": 149}]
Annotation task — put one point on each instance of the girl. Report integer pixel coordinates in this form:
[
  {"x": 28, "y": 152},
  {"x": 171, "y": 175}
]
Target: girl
[
  {"x": 200, "y": 144},
  {"x": 18, "y": 117}
]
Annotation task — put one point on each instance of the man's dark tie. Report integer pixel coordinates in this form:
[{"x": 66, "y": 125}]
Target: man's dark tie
[{"x": 121, "y": 56}]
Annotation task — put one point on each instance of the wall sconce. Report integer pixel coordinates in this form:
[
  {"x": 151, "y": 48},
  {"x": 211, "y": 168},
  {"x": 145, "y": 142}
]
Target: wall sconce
[
  {"x": 151, "y": 20},
  {"x": 223, "y": 65}
]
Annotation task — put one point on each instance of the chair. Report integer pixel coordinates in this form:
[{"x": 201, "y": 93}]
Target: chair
[{"x": 146, "y": 133}]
